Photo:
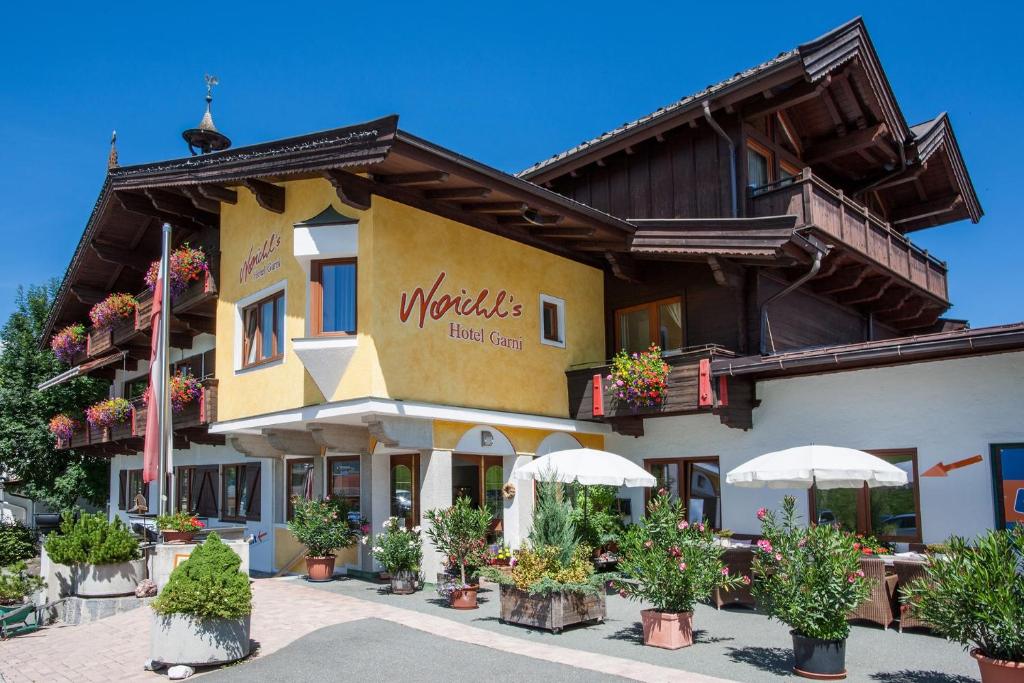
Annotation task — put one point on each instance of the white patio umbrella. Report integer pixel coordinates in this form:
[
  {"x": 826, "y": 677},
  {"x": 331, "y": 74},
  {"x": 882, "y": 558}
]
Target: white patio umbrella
[
  {"x": 587, "y": 466},
  {"x": 828, "y": 467}
]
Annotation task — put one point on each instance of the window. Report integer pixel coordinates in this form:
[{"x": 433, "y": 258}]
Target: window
[
  {"x": 552, "y": 321},
  {"x": 343, "y": 481},
  {"x": 890, "y": 513},
  {"x": 404, "y": 503},
  {"x": 333, "y": 297},
  {"x": 263, "y": 323},
  {"x": 659, "y": 322},
  {"x": 130, "y": 485},
  {"x": 298, "y": 480},
  {"x": 240, "y": 492},
  {"x": 196, "y": 490},
  {"x": 1008, "y": 470},
  {"x": 135, "y": 388},
  {"x": 759, "y": 165},
  {"x": 184, "y": 480},
  {"x": 694, "y": 480},
  {"x": 788, "y": 171}
]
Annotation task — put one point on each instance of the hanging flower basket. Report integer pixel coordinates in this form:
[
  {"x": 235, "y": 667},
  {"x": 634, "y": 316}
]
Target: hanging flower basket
[
  {"x": 112, "y": 310},
  {"x": 69, "y": 342},
  {"x": 185, "y": 390},
  {"x": 62, "y": 427},
  {"x": 639, "y": 380},
  {"x": 187, "y": 265},
  {"x": 109, "y": 412}
]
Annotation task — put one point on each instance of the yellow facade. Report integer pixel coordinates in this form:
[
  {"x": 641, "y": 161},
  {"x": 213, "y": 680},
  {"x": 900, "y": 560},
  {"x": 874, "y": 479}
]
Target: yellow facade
[
  {"x": 524, "y": 441},
  {"x": 501, "y": 366}
]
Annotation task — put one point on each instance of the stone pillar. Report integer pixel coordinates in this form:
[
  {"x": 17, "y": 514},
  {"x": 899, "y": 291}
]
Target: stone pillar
[
  {"x": 435, "y": 492},
  {"x": 519, "y": 510},
  {"x": 366, "y": 498},
  {"x": 380, "y": 498}
]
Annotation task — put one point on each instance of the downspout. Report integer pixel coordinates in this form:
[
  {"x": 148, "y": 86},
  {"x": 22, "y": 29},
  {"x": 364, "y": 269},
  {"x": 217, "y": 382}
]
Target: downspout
[
  {"x": 815, "y": 267},
  {"x": 732, "y": 155}
]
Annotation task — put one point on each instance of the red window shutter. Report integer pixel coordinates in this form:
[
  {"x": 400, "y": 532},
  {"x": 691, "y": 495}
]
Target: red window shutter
[{"x": 704, "y": 399}]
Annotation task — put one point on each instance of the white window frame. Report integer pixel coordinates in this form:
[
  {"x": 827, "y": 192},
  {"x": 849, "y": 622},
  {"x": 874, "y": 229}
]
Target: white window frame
[{"x": 560, "y": 307}]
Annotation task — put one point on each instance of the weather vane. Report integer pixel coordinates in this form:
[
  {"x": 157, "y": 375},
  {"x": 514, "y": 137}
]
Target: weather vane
[
  {"x": 210, "y": 82},
  {"x": 206, "y": 138}
]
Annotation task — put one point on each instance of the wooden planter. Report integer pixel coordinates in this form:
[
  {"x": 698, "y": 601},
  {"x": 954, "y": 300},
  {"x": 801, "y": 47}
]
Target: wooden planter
[{"x": 551, "y": 612}]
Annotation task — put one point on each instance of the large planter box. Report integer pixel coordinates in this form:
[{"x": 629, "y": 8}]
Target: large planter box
[
  {"x": 551, "y": 612},
  {"x": 185, "y": 639},
  {"x": 108, "y": 580}
]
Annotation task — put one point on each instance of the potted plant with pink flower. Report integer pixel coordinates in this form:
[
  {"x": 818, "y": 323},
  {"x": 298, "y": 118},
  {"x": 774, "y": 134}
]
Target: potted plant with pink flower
[
  {"x": 185, "y": 390},
  {"x": 112, "y": 310},
  {"x": 639, "y": 380},
  {"x": 187, "y": 265},
  {"x": 109, "y": 412},
  {"x": 69, "y": 342},
  {"x": 62, "y": 427},
  {"x": 809, "y": 578},
  {"x": 672, "y": 563}
]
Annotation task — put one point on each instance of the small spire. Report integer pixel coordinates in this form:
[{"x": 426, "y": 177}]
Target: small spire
[
  {"x": 112, "y": 156},
  {"x": 206, "y": 137}
]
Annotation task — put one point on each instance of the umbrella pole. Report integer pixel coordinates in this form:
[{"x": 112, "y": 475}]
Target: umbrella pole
[{"x": 586, "y": 494}]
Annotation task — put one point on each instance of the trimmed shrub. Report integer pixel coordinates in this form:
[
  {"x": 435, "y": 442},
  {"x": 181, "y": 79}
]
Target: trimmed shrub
[
  {"x": 91, "y": 539},
  {"x": 207, "y": 585},
  {"x": 17, "y": 542}
]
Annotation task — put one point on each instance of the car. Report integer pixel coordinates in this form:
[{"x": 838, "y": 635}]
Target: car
[{"x": 903, "y": 525}]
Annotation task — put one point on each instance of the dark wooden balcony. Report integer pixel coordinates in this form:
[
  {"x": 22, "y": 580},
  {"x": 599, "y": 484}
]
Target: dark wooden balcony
[
  {"x": 690, "y": 391},
  {"x": 840, "y": 221},
  {"x": 189, "y": 425}
]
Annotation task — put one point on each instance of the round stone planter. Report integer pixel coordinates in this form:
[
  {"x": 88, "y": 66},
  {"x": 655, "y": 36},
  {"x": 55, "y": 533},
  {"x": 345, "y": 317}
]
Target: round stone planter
[
  {"x": 185, "y": 639},
  {"x": 998, "y": 670},
  {"x": 108, "y": 580},
  {"x": 822, "y": 660}
]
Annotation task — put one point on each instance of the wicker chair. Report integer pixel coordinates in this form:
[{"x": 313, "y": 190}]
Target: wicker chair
[
  {"x": 878, "y": 607},
  {"x": 738, "y": 560},
  {"x": 906, "y": 572}
]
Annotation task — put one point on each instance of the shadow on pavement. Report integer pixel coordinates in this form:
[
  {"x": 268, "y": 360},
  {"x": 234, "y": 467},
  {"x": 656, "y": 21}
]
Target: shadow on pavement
[
  {"x": 776, "y": 660},
  {"x": 909, "y": 676}
]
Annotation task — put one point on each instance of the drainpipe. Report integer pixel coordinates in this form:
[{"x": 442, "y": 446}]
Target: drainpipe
[
  {"x": 815, "y": 267},
  {"x": 732, "y": 154}
]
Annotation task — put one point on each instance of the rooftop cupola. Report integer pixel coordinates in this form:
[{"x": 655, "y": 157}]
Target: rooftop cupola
[{"x": 206, "y": 138}]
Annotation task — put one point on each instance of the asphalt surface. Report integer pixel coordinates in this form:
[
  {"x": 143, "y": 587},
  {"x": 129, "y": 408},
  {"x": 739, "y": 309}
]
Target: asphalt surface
[
  {"x": 378, "y": 650},
  {"x": 734, "y": 643}
]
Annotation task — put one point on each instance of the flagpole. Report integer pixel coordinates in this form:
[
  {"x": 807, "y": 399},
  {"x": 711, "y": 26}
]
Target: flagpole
[{"x": 163, "y": 398}]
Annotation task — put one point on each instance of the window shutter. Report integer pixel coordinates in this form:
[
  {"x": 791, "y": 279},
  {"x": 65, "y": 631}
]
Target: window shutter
[
  {"x": 252, "y": 482},
  {"x": 206, "y": 481},
  {"x": 122, "y": 489}
]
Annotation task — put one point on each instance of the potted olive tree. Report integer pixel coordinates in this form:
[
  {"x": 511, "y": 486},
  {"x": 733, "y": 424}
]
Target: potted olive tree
[
  {"x": 103, "y": 556},
  {"x": 323, "y": 527},
  {"x": 202, "y": 614},
  {"x": 810, "y": 579},
  {"x": 400, "y": 550},
  {"x": 670, "y": 563},
  {"x": 974, "y": 595},
  {"x": 459, "y": 533}
]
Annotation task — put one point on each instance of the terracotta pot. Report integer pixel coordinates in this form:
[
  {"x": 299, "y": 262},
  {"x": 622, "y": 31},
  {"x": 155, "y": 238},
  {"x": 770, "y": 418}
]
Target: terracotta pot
[
  {"x": 821, "y": 660},
  {"x": 464, "y": 598},
  {"x": 998, "y": 670},
  {"x": 668, "y": 630},
  {"x": 171, "y": 536},
  {"x": 320, "y": 568}
]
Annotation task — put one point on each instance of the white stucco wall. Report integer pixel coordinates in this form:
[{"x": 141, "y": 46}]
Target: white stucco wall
[
  {"x": 261, "y": 555},
  {"x": 947, "y": 410}
]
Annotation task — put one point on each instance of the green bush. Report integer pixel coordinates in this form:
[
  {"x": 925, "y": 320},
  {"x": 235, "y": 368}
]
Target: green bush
[
  {"x": 207, "y": 585},
  {"x": 975, "y": 595},
  {"x": 396, "y": 548},
  {"x": 16, "y": 583},
  {"x": 17, "y": 542},
  {"x": 91, "y": 539},
  {"x": 594, "y": 516},
  {"x": 321, "y": 525}
]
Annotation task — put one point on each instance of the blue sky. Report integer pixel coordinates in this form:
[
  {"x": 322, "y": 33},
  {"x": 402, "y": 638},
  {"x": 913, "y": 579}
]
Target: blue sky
[{"x": 507, "y": 86}]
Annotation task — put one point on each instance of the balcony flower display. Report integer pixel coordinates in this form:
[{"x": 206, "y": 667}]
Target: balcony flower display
[
  {"x": 69, "y": 342},
  {"x": 62, "y": 427},
  {"x": 112, "y": 310},
  {"x": 109, "y": 412},
  {"x": 639, "y": 380},
  {"x": 188, "y": 264},
  {"x": 185, "y": 390}
]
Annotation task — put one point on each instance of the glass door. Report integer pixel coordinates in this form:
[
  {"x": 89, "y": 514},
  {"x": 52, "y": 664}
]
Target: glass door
[
  {"x": 404, "y": 485},
  {"x": 1008, "y": 476}
]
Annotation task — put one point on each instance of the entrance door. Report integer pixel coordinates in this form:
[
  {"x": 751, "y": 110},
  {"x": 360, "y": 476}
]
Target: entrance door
[
  {"x": 480, "y": 478},
  {"x": 1008, "y": 476},
  {"x": 695, "y": 481},
  {"x": 404, "y": 488}
]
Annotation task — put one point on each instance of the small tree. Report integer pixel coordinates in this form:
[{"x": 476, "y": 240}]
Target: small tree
[
  {"x": 321, "y": 525},
  {"x": 553, "y": 525},
  {"x": 460, "y": 533},
  {"x": 17, "y": 542}
]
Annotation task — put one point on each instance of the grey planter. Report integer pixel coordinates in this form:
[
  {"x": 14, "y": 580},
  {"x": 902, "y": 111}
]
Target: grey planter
[
  {"x": 185, "y": 639},
  {"x": 108, "y": 580}
]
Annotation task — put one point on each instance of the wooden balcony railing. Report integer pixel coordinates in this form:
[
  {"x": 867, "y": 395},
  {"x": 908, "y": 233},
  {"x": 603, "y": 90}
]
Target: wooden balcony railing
[
  {"x": 818, "y": 205},
  {"x": 129, "y": 435}
]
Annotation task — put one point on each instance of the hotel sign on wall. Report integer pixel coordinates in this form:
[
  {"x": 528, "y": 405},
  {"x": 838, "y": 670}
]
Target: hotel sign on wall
[
  {"x": 261, "y": 260},
  {"x": 464, "y": 314}
]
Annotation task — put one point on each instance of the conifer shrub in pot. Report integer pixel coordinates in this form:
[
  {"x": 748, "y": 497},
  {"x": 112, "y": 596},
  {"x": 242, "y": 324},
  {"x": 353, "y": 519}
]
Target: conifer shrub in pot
[
  {"x": 974, "y": 595},
  {"x": 671, "y": 563},
  {"x": 400, "y": 551},
  {"x": 810, "y": 579},
  {"x": 16, "y": 584},
  {"x": 103, "y": 555},
  {"x": 459, "y": 532},
  {"x": 323, "y": 527},
  {"x": 17, "y": 542},
  {"x": 202, "y": 615}
]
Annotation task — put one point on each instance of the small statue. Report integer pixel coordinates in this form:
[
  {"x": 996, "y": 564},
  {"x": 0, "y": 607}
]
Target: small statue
[{"x": 141, "y": 506}]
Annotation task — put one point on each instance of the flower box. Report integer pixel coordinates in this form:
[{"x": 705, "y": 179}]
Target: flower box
[{"x": 552, "y": 612}]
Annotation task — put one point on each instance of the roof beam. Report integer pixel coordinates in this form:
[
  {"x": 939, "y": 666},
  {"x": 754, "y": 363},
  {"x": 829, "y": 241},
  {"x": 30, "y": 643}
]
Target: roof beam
[
  {"x": 849, "y": 143},
  {"x": 425, "y": 178},
  {"x": 268, "y": 195},
  {"x": 726, "y": 273},
  {"x": 623, "y": 266},
  {"x": 869, "y": 290},
  {"x": 354, "y": 191},
  {"x": 514, "y": 208},
  {"x": 789, "y": 130},
  {"x": 143, "y": 205},
  {"x": 790, "y": 97},
  {"x": 910, "y": 310},
  {"x": 562, "y": 233},
  {"x": 120, "y": 256},
  {"x": 178, "y": 205},
  {"x": 842, "y": 280},
  {"x": 457, "y": 193},
  {"x": 935, "y": 207},
  {"x": 218, "y": 193},
  {"x": 892, "y": 300},
  {"x": 200, "y": 201},
  {"x": 90, "y": 296},
  {"x": 529, "y": 217}
]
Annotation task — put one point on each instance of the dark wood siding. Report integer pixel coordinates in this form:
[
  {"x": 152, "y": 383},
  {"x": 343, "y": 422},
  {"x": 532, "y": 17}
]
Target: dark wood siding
[{"x": 802, "y": 319}]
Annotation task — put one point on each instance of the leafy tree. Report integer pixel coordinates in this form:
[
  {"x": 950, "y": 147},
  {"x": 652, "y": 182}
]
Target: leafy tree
[{"x": 27, "y": 449}]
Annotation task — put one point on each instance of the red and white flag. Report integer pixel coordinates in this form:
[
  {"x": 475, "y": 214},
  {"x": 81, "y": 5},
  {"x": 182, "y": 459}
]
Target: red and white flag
[{"x": 157, "y": 416}]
